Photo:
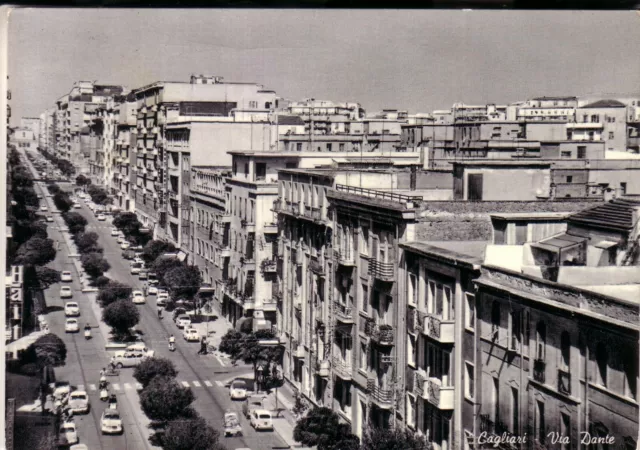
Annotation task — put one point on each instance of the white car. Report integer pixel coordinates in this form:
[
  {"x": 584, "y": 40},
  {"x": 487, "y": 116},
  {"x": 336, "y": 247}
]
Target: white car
[
  {"x": 135, "y": 268},
  {"x": 162, "y": 301},
  {"x": 71, "y": 326},
  {"x": 138, "y": 298},
  {"x": 238, "y": 390},
  {"x": 44, "y": 208},
  {"x": 68, "y": 434},
  {"x": 261, "y": 420},
  {"x": 190, "y": 334},
  {"x": 125, "y": 245},
  {"x": 77, "y": 205},
  {"x": 71, "y": 309},
  {"x": 153, "y": 290},
  {"x": 183, "y": 321},
  {"x": 101, "y": 217},
  {"x": 49, "y": 219},
  {"x": 114, "y": 231},
  {"x": 79, "y": 447},
  {"x": 129, "y": 358},
  {"x": 66, "y": 276},
  {"x": 65, "y": 292},
  {"x": 79, "y": 402},
  {"x": 138, "y": 347},
  {"x": 111, "y": 423}
]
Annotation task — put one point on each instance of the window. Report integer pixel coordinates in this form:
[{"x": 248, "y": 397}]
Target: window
[
  {"x": 365, "y": 297},
  {"x": 515, "y": 333},
  {"x": 495, "y": 320},
  {"x": 610, "y": 134},
  {"x": 521, "y": 233},
  {"x": 515, "y": 410},
  {"x": 565, "y": 428},
  {"x": 364, "y": 241},
  {"x": 299, "y": 146},
  {"x": 470, "y": 311},
  {"x": 541, "y": 336},
  {"x": 495, "y": 400},
  {"x": 539, "y": 422},
  {"x": 412, "y": 289},
  {"x": 527, "y": 332},
  {"x": 412, "y": 351},
  {"x": 565, "y": 154},
  {"x": 341, "y": 147},
  {"x": 602, "y": 362},
  {"x": 328, "y": 147},
  {"x": 363, "y": 357},
  {"x": 565, "y": 351},
  {"x": 411, "y": 411},
  {"x": 246, "y": 169},
  {"x": 569, "y": 178},
  {"x": 261, "y": 171},
  {"x": 623, "y": 188},
  {"x": 469, "y": 381},
  {"x": 630, "y": 377},
  {"x": 582, "y": 152}
]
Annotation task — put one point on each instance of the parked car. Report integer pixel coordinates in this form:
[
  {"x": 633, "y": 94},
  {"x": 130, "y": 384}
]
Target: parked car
[
  {"x": 190, "y": 334},
  {"x": 183, "y": 321},
  {"x": 114, "y": 231},
  {"x": 79, "y": 447},
  {"x": 66, "y": 276},
  {"x": 153, "y": 290},
  {"x": 71, "y": 326},
  {"x": 49, "y": 219},
  {"x": 143, "y": 275},
  {"x": 252, "y": 403},
  {"x": 138, "y": 298},
  {"x": 136, "y": 267},
  {"x": 71, "y": 309},
  {"x": 67, "y": 434},
  {"x": 77, "y": 206},
  {"x": 162, "y": 301},
  {"x": 232, "y": 424},
  {"x": 43, "y": 208},
  {"x": 79, "y": 402},
  {"x": 111, "y": 423},
  {"x": 128, "y": 254},
  {"x": 238, "y": 390},
  {"x": 65, "y": 292},
  {"x": 101, "y": 217},
  {"x": 129, "y": 358},
  {"x": 125, "y": 245},
  {"x": 261, "y": 420},
  {"x": 153, "y": 278}
]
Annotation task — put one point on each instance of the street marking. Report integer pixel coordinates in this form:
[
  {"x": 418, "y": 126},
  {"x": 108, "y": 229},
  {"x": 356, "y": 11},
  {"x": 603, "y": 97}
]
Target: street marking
[
  {"x": 196, "y": 384},
  {"x": 185, "y": 384},
  {"x": 208, "y": 383},
  {"x": 219, "y": 383},
  {"x": 116, "y": 386},
  {"x": 138, "y": 386},
  {"x": 92, "y": 387},
  {"x": 81, "y": 387},
  {"x": 220, "y": 361},
  {"x": 127, "y": 387}
]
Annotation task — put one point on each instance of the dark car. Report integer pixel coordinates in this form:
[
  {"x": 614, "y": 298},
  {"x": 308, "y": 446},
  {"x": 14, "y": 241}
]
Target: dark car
[{"x": 128, "y": 254}]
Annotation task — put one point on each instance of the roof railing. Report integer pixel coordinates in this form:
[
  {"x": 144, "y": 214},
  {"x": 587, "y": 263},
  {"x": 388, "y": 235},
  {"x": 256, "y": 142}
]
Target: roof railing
[{"x": 385, "y": 195}]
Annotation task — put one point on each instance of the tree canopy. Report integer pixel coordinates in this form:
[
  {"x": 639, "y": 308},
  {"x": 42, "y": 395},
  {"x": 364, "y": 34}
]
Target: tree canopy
[
  {"x": 387, "y": 439},
  {"x": 162, "y": 265},
  {"x": 153, "y": 249},
  {"x": 87, "y": 242},
  {"x": 62, "y": 201},
  {"x": 191, "y": 434},
  {"x": 98, "y": 195},
  {"x": 183, "y": 281},
  {"x": 81, "y": 180},
  {"x": 94, "y": 264},
  {"x": 47, "y": 276},
  {"x": 164, "y": 399},
  {"x": 47, "y": 350},
  {"x": 127, "y": 222},
  {"x": 75, "y": 221},
  {"x": 150, "y": 368},
  {"x": 322, "y": 428},
  {"x": 36, "y": 251},
  {"x": 121, "y": 316},
  {"x": 113, "y": 291}
]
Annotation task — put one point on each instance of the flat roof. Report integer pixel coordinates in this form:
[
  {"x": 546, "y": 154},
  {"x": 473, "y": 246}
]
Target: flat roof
[
  {"x": 532, "y": 216},
  {"x": 488, "y": 162},
  {"x": 470, "y": 252}
]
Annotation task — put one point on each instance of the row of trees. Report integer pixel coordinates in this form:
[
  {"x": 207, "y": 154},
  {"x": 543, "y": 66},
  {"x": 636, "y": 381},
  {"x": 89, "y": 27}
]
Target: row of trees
[
  {"x": 62, "y": 164},
  {"x": 168, "y": 404},
  {"x": 322, "y": 428}
]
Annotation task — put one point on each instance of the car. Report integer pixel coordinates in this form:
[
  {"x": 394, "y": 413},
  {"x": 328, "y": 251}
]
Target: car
[
  {"x": 190, "y": 334},
  {"x": 61, "y": 390},
  {"x": 49, "y": 219},
  {"x": 138, "y": 298},
  {"x": 71, "y": 309},
  {"x": 143, "y": 275},
  {"x": 110, "y": 422},
  {"x": 114, "y": 231},
  {"x": 153, "y": 278},
  {"x": 77, "y": 206},
  {"x": 79, "y": 402},
  {"x": 101, "y": 217},
  {"x": 71, "y": 326},
  {"x": 238, "y": 390},
  {"x": 153, "y": 290},
  {"x": 136, "y": 268},
  {"x": 261, "y": 419},
  {"x": 162, "y": 301},
  {"x": 125, "y": 245},
  {"x": 183, "y": 321},
  {"x": 79, "y": 447},
  {"x": 67, "y": 434},
  {"x": 43, "y": 208},
  {"x": 138, "y": 347},
  {"x": 65, "y": 292},
  {"x": 66, "y": 276},
  {"x": 129, "y": 358}
]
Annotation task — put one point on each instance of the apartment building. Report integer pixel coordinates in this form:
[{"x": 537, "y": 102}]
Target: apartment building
[
  {"x": 604, "y": 120},
  {"x": 543, "y": 109},
  {"x": 163, "y": 102},
  {"x": 24, "y": 139},
  {"x": 124, "y": 157},
  {"x": 46, "y": 135},
  {"x": 103, "y": 135}
]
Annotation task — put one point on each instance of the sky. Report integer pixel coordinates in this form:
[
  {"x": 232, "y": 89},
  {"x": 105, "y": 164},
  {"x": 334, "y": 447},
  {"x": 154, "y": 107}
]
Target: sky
[{"x": 384, "y": 59}]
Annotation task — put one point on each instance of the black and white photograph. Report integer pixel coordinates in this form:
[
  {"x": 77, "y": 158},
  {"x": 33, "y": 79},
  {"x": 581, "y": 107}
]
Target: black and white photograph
[{"x": 270, "y": 229}]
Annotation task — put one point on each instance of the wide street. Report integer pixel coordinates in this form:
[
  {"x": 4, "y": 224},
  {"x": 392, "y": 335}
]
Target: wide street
[{"x": 203, "y": 374}]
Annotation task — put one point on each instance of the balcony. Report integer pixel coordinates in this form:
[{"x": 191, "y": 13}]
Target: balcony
[
  {"x": 276, "y": 291},
  {"x": 296, "y": 256},
  {"x": 414, "y": 321},
  {"x": 313, "y": 213},
  {"x": 539, "y": 367},
  {"x": 342, "y": 368},
  {"x": 564, "y": 382},
  {"x": 298, "y": 350},
  {"x": 343, "y": 313},
  {"x": 438, "y": 329},
  {"x": 419, "y": 379},
  {"x": 383, "y": 397},
  {"x": 297, "y": 309},
  {"x": 442, "y": 397},
  {"x": 382, "y": 334},
  {"x": 225, "y": 252},
  {"x": 316, "y": 266},
  {"x": 268, "y": 266},
  {"x": 250, "y": 227},
  {"x": 269, "y": 304},
  {"x": 225, "y": 217},
  {"x": 323, "y": 368},
  {"x": 345, "y": 257},
  {"x": 383, "y": 271},
  {"x": 270, "y": 228}
]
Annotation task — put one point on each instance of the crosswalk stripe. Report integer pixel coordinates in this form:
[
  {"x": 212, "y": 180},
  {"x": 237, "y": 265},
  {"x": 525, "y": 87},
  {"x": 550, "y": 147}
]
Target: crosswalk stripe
[
  {"x": 196, "y": 384},
  {"x": 127, "y": 386},
  {"x": 138, "y": 386},
  {"x": 92, "y": 387},
  {"x": 116, "y": 386},
  {"x": 219, "y": 383},
  {"x": 185, "y": 384},
  {"x": 81, "y": 387},
  {"x": 208, "y": 383}
]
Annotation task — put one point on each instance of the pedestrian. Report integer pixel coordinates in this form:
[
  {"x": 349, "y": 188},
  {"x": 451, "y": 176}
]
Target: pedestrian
[{"x": 203, "y": 346}]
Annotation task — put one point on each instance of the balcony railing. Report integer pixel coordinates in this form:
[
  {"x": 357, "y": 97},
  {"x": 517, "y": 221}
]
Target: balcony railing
[
  {"x": 312, "y": 212},
  {"x": 316, "y": 266},
  {"x": 343, "y": 313},
  {"x": 323, "y": 368},
  {"x": 539, "y": 367},
  {"x": 268, "y": 266},
  {"x": 276, "y": 291},
  {"x": 342, "y": 368},
  {"x": 442, "y": 397},
  {"x": 438, "y": 329},
  {"x": 414, "y": 321},
  {"x": 384, "y": 195},
  {"x": 564, "y": 382},
  {"x": 345, "y": 257},
  {"x": 382, "y": 334},
  {"x": 419, "y": 379},
  {"x": 383, "y": 271},
  {"x": 383, "y": 397}
]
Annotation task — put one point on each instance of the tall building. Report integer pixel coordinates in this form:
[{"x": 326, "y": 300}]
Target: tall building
[{"x": 123, "y": 182}]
